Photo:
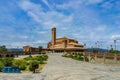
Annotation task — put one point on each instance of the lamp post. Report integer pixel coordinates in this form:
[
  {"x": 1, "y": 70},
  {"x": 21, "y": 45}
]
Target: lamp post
[
  {"x": 115, "y": 52},
  {"x": 111, "y": 47},
  {"x": 108, "y": 49},
  {"x": 98, "y": 46},
  {"x": 115, "y": 44}
]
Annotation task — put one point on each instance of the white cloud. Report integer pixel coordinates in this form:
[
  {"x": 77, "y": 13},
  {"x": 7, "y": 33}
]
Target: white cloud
[
  {"x": 101, "y": 28},
  {"x": 21, "y": 44},
  {"x": 73, "y": 4},
  {"x": 46, "y": 2},
  {"x": 46, "y": 19},
  {"x": 70, "y": 4},
  {"x": 117, "y": 37},
  {"x": 93, "y": 1},
  {"x": 29, "y": 6},
  {"x": 41, "y": 32}
]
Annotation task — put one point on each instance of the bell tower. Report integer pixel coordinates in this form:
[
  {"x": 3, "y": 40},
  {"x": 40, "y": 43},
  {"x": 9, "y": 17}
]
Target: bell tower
[{"x": 53, "y": 36}]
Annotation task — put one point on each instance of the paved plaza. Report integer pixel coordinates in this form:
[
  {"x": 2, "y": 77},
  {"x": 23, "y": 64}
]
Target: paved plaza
[{"x": 60, "y": 68}]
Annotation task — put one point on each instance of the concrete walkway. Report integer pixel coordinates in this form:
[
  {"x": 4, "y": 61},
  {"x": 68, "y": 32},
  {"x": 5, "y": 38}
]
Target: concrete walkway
[{"x": 60, "y": 68}]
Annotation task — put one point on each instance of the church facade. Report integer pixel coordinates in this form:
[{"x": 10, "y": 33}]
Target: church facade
[{"x": 64, "y": 44}]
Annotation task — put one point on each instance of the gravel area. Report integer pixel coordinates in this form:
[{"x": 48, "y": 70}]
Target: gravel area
[{"x": 61, "y": 68}]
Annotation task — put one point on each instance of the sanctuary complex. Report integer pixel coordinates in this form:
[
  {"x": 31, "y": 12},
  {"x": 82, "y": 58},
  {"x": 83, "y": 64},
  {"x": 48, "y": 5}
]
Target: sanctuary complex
[{"x": 64, "y": 44}]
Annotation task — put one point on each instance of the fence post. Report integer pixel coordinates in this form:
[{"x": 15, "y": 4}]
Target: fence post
[
  {"x": 96, "y": 56},
  {"x": 89, "y": 56},
  {"x": 104, "y": 58},
  {"x": 115, "y": 58}
]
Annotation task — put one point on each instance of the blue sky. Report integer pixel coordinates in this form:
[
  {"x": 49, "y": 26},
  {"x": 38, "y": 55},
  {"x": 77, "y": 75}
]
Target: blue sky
[{"x": 29, "y": 22}]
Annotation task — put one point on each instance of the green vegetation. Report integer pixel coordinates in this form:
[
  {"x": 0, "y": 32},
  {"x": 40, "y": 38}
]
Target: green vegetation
[
  {"x": 20, "y": 63},
  {"x": 34, "y": 64},
  {"x": 3, "y": 49},
  {"x": 7, "y": 61},
  {"x": 1, "y": 66},
  {"x": 26, "y": 64},
  {"x": 79, "y": 56},
  {"x": 40, "y": 49},
  {"x": 95, "y": 50},
  {"x": 114, "y": 51}
]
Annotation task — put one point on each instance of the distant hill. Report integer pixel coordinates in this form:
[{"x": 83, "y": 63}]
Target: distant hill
[
  {"x": 15, "y": 49},
  {"x": 88, "y": 49},
  {"x": 99, "y": 50}
]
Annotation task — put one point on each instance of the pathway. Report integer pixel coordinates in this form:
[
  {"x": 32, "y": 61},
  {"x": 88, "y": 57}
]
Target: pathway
[{"x": 60, "y": 68}]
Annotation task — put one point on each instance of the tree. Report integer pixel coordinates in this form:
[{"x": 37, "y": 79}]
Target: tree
[
  {"x": 40, "y": 49},
  {"x": 114, "y": 51},
  {"x": 3, "y": 49},
  {"x": 95, "y": 50}
]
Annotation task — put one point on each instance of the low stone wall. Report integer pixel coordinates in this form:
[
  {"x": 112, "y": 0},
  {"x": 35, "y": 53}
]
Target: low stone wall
[{"x": 104, "y": 56}]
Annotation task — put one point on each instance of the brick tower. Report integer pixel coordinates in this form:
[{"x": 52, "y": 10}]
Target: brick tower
[{"x": 53, "y": 36}]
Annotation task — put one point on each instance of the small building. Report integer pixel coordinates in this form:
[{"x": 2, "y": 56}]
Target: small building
[{"x": 30, "y": 49}]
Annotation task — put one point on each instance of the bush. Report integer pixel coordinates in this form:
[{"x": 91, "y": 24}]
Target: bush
[
  {"x": 20, "y": 63},
  {"x": 42, "y": 58},
  {"x": 32, "y": 63},
  {"x": 28, "y": 58},
  {"x": 86, "y": 59},
  {"x": 68, "y": 55},
  {"x": 30, "y": 68},
  {"x": 1, "y": 66},
  {"x": 79, "y": 56},
  {"x": 45, "y": 57},
  {"x": 7, "y": 61},
  {"x": 114, "y": 51},
  {"x": 23, "y": 67}
]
